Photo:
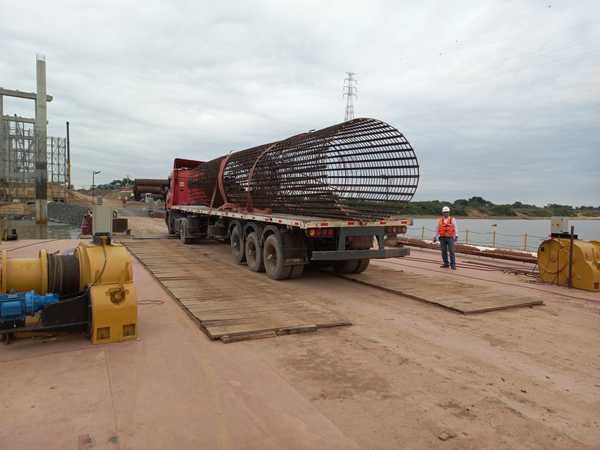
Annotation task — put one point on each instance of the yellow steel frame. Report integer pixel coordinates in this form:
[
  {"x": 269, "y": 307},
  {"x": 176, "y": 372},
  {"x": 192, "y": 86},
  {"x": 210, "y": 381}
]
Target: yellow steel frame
[{"x": 553, "y": 262}]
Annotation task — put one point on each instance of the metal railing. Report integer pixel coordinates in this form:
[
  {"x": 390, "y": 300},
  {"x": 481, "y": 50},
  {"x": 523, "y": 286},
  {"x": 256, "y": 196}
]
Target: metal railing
[{"x": 524, "y": 242}]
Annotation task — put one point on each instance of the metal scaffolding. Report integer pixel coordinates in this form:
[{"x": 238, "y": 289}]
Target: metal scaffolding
[
  {"x": 17, "y": 162},
  {"x": 23, "y": 151}
]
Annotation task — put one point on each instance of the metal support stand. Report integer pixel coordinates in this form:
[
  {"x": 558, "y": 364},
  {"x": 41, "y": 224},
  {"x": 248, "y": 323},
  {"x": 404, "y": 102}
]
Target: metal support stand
[
  {"x": 68, "y": 159},
  {"x": 41, "y": 132},
  {"x": 571, "y": 239}
]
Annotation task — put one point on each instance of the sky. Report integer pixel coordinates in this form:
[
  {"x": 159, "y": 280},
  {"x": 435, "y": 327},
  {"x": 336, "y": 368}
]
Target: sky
[{"x": 499, "y": 99}]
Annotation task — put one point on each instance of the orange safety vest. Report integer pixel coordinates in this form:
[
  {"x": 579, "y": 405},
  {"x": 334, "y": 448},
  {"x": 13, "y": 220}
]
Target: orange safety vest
[{"x": 446, "y": 228}]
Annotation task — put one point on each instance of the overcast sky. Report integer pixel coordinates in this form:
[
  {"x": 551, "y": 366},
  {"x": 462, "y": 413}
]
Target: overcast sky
[{"x": 499, "y": 99}]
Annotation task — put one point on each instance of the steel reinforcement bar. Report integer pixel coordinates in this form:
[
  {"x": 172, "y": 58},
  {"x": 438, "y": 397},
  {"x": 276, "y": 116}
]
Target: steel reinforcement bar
[{"x": 363, "y": 168}]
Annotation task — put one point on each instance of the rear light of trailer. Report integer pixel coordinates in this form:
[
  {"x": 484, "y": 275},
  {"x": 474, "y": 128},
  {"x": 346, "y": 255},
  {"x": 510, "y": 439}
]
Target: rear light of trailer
[
  {"x": 401, "y": 229},
  {"x": 320, "y": 232}
]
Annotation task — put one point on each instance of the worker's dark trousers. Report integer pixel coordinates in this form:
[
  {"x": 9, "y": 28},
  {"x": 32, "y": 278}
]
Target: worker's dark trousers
[{"x": 447, "y": 245}]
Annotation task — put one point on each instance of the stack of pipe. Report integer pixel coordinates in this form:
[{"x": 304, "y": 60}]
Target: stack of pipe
[{"x": 150, "y": 186}]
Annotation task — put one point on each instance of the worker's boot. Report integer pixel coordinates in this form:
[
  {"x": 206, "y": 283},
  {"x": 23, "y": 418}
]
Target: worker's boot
[{"x": 444, "y": 266}]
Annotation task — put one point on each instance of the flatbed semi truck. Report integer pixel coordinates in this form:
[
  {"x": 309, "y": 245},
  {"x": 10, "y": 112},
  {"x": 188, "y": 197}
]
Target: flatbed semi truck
[{"x": 266, "y": 201}]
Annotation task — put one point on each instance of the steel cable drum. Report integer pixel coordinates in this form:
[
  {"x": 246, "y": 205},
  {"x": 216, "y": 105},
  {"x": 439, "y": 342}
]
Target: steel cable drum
[{"x": 363, "y": 168}]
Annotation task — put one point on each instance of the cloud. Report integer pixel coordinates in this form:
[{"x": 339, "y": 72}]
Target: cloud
[{"x": 499, "y": 100}]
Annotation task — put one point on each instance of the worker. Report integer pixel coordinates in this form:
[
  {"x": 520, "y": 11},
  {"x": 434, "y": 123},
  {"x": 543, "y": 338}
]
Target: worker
[{"x": 447, "y": 233}]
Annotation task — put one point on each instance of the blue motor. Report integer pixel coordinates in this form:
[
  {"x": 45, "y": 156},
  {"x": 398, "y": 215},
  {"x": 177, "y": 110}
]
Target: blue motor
[{"x": 15, "y": 307}]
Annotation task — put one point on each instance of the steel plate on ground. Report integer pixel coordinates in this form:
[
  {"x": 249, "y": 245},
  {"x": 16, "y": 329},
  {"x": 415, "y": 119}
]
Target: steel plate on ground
[
  {"x": 457, "y": 296},
  {"x": 229, "y": 302}
]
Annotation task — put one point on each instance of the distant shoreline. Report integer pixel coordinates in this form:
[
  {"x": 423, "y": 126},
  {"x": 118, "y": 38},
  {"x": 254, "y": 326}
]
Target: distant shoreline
[
  {"x": 480, "y": 208},
  {"x": 414, "y": 216}
]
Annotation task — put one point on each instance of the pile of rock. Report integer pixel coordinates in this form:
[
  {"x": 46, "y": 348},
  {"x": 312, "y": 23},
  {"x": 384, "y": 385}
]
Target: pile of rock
[{"x": 66, "y": 213}]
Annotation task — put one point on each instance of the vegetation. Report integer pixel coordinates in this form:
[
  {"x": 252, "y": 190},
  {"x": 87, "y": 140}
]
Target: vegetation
[
  {"x": 479, "y": 207},
  {"x": 116, "y": 184},
  {"x": 473, "y": 207}
]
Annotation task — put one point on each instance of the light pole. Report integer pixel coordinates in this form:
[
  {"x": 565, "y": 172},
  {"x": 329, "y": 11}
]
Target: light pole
[{"x": 94, "y": 173}]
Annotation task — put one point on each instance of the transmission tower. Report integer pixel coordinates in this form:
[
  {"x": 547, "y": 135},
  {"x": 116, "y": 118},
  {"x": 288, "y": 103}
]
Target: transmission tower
[{"x": 350, "y": 91}]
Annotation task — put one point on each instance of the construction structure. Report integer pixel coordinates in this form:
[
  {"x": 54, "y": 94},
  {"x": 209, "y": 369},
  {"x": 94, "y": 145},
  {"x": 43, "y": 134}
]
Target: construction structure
[
  {"x": 33, "y": 166},
  {"x": 362, "y": 168}
]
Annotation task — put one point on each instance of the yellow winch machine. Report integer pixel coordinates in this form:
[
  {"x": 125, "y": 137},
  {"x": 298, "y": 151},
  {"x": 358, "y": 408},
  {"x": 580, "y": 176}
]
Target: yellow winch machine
[
  {"x": 568, "y": 261},
  {"x": 89, "y": 290}
]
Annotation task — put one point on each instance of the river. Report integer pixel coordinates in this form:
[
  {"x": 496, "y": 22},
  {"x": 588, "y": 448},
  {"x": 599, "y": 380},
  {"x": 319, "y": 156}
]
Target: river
[{"x": 510, "y": 233}]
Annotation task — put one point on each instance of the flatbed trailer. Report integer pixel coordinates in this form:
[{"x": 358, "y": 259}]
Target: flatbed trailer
[
  {"x": 293, "y": 241},
  {"x": 327, "y": 197}
]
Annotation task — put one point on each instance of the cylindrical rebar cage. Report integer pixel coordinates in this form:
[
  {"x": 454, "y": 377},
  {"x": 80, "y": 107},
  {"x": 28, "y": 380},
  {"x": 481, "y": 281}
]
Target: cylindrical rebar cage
[{"x": 363, "y": 168}]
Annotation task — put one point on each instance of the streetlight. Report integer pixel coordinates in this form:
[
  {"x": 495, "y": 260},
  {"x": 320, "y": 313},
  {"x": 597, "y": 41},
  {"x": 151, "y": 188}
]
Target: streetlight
[{"x": 94, "y": 173}]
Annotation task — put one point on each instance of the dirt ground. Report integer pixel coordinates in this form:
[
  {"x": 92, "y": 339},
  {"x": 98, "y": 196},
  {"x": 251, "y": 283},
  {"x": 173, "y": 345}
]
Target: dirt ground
[
  {"x": 409, "y": 375},
  {"x": 405, "y": 375}
]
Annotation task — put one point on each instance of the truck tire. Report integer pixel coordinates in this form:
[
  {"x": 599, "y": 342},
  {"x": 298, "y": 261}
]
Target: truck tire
[
  {"x": 237, "y": 247},
  {"x": 347, "y": 266},
  {"x": 362, "y": 265},
  {"x": 297, "y": 271},
  {"x": 170, "y": 220},
  {"x": 254, "y": 254},
  {"x": 184, "y": 232},
  {"x": 273, "y": 258},
  {"x": 351, "y": 266}
]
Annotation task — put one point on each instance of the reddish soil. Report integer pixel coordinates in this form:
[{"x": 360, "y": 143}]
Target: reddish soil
[{"x": 405, "y": 375}]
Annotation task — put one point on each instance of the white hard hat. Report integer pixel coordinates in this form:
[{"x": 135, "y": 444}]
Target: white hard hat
[{"x": 445, "y": 209}]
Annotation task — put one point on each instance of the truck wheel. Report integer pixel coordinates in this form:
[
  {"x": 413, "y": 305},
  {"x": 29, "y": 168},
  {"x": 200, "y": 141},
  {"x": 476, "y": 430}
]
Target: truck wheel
[
  {"x": 362, "y": 265},
  {"x": 237, "y": 249},
  {"x": 273, "y": 259},
  {"x": 348, "y": 266},
  {"x": 184, "y": 233},
  {"x": 254, "y": 256},
  {"x": 297, "y": 271},
  {"x": 171, "y": 224}
]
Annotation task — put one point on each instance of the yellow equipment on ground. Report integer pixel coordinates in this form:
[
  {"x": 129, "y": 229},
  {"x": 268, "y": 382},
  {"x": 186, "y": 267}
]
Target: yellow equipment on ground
[
  {"x": 24, "y": 274},
  {"x": 555, "y": 263},
  {"x": 96, "y": 281},
  {"x": 108, "y": 271}
]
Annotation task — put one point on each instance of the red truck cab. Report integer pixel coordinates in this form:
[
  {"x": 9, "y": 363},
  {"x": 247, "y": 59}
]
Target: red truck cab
[{"x": 180, "y": 190}]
